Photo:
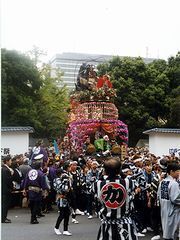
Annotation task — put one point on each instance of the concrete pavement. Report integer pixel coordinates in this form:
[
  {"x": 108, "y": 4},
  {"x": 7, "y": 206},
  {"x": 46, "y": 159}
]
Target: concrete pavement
[{"x": 21, "y": 229}]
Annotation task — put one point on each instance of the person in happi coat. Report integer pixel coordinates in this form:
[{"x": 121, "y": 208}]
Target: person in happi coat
[
  {"x": 62, "y": 185},
  {"x": 37, "y": 150},
  {"x": 36, "y": 187},
  {"x": 76, "y": 193},
  {"x": 17, "y": 180},
  {"x": 92, "y": 176},
  {"x": 50, "y": 175},
  {"x": 115, "y": 195},
  {"x": 169, "y": 196}
]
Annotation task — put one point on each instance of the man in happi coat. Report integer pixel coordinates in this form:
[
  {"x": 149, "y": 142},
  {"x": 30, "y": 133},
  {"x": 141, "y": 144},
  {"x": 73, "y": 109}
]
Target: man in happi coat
[
  {"x": 37, "y": 150},
  {"x": 169, "y": 196},
  {"x": 63, "y": 186},
  {"x": 36, "y": 187},
  {"x": 115, "y": 195}
]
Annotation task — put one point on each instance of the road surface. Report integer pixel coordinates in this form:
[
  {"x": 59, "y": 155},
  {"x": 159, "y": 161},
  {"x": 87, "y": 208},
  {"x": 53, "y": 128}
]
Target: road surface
[{"x": 21, "y": 229}]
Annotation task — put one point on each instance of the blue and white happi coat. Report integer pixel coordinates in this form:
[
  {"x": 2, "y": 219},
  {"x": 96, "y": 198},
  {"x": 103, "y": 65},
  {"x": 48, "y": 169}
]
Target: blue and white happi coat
[
  {"x": 169, "y": 197},
  {"x": 115, "y": 196}
]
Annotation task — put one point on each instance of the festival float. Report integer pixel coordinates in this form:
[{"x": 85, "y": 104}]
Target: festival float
[{"x": 94, "y": 125}]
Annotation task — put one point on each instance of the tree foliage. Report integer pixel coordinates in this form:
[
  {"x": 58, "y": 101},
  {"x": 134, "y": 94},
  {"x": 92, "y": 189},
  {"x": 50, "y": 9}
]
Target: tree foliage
[
  {"x": 147, "y": 94},
  {"x": 53, "y": 105},
  {"x": 30, "y": 96},
  {"x": 20, "y": 85}
]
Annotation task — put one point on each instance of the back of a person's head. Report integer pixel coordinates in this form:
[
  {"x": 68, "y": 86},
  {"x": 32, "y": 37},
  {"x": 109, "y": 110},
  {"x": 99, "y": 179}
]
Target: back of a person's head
[
  {"x": 14, "y": 162},
  {"x": 36, "y": 165},
  {"x": 59, "y": 171},
  {"x": 173, "y": 166},
  {"x": 75, "y": 158},
  {"x": 25, "y": 161},
  {"x": 66, "y": 165},
  {"x": 112, "y": 167}
]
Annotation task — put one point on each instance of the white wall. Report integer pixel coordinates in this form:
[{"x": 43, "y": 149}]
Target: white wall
[
  {"x": 16, "y": 142},
  {"x": 161, "y": 143}
]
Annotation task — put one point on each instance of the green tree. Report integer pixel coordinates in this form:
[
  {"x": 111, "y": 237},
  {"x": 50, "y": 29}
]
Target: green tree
[
  {"x": 30, "y": 96},
  {"x": 174, "y": 114},
  {"x": 173, "y": 71},
  {"x": 20, "y": 85},
  {"x": 145, "y": 97},
  {"x": 53, "y": 104},
  {"x": 173, "y": 98},
  {"x": 156, "y": 93}
]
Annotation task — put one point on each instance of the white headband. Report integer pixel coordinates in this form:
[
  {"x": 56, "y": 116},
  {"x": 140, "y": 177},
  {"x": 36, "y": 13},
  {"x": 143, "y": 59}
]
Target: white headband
[
  {"x": 125, "y": 170},
  {"x": 138, "y": 160}
]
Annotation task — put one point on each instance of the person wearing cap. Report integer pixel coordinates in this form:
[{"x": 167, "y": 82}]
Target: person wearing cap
[
  {"x": 36, "y": 187},
  {"x": 169, "y": 197},
  {"x": 6, "y": 187},
  {"x": 37, "y": 150},
  {"x": 39, "y": 157}
]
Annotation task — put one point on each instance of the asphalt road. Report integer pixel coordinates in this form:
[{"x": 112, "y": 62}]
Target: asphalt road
[{"x": 21, "y": 229}]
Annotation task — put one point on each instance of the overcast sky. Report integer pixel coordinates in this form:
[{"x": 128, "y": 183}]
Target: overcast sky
[{"x": 115, "y": 27}]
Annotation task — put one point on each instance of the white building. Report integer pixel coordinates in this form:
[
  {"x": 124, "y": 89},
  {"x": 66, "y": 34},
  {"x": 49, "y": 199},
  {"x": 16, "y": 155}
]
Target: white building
[
  {"x": 15, "y": 140},
  {"x": 164, "y": 141}
]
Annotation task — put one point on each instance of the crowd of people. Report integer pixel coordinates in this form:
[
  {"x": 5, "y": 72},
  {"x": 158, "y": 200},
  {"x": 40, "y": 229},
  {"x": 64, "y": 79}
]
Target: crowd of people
[{"x": 131, "y": 197}]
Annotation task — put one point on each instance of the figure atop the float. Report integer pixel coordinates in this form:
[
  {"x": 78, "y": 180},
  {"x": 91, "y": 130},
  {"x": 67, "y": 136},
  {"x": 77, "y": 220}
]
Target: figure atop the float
[
  {"x": 87, "y": 77},
  {"x": 104, "y": 82}
]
